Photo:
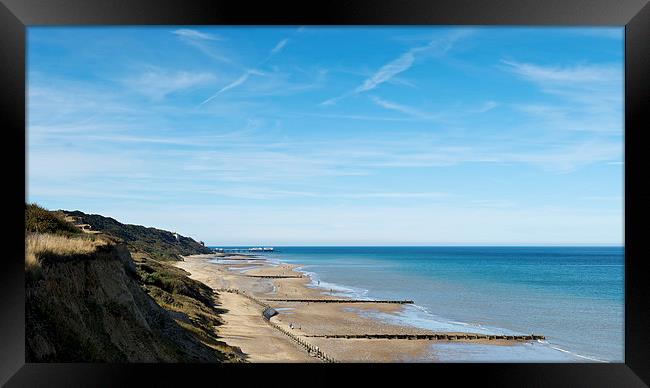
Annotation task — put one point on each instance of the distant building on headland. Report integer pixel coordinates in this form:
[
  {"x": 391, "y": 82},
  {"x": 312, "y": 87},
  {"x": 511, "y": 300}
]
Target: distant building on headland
[{"x": 176, "y": 236}]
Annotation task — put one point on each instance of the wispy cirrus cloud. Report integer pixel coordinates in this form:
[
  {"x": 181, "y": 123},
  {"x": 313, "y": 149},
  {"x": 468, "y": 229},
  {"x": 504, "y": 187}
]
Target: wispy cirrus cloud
[
  {"x": 279, "y": 46},
  {"x": 402, "y": 63},
  {"x": 590, "y": 96},
  {"x": 245, "y": 76},
  {"x": 427, "y": 131},
  {"x": 194, "y": 34},
  {"x": 257, "y": 192},
  {"x": 418, "y": 114},
  {"x": 394, "y": 195},
  {"x": 388, "y": 71},
  {"x": 384, "y": 74},
  {"x": 572, "y": 74},
  {"x": 237, "y": 82},
  {"x": 203, "y": 42},
  {"x": 158, "y": 83},
  {"x": 270, "y": 83},
  {"x": 407, "y": 110}
]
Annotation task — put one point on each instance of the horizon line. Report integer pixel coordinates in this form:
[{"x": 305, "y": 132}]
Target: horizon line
[{"x": 550, "y": 245}]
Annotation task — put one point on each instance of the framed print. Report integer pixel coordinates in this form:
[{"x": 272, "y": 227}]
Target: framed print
[{"x": 450, "y": 189}]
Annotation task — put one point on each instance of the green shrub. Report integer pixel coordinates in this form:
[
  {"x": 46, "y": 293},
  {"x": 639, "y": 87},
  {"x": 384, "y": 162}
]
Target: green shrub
[
  {"x": 154, "y": 243},
  {"x": 40, "y": 220}
]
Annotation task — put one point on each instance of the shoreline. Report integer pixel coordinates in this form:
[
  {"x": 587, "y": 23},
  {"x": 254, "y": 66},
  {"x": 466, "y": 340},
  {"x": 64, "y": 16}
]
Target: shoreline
[{"x": 264, "y": 280}]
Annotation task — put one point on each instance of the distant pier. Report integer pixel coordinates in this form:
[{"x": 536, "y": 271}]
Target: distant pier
[{"x": 244, "y": 250}]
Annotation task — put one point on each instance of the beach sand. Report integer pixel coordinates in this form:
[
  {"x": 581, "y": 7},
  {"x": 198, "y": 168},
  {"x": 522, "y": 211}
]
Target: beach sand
[{"x": 246, "y": 328}]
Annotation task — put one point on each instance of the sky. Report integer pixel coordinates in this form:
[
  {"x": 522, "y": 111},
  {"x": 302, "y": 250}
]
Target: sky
[{"x": 312, "y": 135}]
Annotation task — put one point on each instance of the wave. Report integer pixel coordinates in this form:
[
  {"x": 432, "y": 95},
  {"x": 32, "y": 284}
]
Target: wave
[
  {"x": 334, "y": 289},
  {"x": 574, "y": 354},
  {"x": 243, "y": 269},
  {"x": 420, "y": 317},
  {"x": 423, "y": 320}
]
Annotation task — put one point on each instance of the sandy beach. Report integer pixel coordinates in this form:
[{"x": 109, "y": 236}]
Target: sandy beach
[{"x": 264, "y": 281}]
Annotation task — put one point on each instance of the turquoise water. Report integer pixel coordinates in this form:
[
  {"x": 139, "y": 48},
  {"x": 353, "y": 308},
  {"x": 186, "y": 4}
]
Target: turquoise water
[{"x": 572, "y": 295}]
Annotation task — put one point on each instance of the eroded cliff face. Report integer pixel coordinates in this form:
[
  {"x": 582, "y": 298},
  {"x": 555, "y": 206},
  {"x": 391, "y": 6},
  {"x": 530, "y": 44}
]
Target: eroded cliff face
[{"x": 90, "y": 308}]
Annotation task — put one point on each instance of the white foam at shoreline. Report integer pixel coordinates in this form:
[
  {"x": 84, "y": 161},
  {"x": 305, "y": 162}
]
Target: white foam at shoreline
[
  {"x": 406, "y": 316},
  {"x": 333, "y": 288},
  {"x": 525, "y": 352},
  {"x": 576, "y": 354},
  {"x": 244, "y": 269},
  {"x": 418, "y": 316}
]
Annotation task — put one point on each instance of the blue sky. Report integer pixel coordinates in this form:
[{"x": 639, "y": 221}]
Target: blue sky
[{"x": 333, "y": 136}]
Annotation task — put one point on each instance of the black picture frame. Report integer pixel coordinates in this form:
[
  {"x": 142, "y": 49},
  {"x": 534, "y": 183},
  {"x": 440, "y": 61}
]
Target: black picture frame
[{"x": 16, "y": 15}]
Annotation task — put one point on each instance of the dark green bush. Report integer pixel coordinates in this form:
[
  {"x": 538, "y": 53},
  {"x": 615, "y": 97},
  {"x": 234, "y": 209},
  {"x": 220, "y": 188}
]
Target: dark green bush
[{"x": 40, "y": 220}]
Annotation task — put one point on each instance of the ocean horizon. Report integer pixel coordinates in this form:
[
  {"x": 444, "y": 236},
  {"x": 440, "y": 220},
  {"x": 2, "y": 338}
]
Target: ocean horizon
[{"x": 573, "y": 295}]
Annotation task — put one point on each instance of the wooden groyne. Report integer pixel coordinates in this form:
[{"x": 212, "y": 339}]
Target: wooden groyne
[
  {"x": 268, "y": 313},
  {"x": 340, "y": 301},
  {"x": 275, "y": 276},
  {"x": 434, "y": 337},
  {"x": 311, "y": 349}
]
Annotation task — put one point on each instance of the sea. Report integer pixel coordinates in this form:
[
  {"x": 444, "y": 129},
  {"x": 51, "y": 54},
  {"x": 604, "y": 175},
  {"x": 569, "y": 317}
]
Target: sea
[{"x": 574, "y": 296}]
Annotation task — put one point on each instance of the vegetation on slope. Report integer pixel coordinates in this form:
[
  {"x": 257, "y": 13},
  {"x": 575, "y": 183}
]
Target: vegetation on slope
[
  {"x": 192, "y": 303},
  {"x": 143, "y": 241},
  {"x": 86, "y": 300},
  {"x": 39, "y": 220}
]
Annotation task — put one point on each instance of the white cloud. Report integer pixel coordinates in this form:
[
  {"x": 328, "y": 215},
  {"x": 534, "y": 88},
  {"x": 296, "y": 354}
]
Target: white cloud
[
  {"x": 193, "y": 34},
  {"x": 409, "y": 111},
  {"x": 234, "y": 83},
  {"x": 278, "y": 47},
  {"x": 158, "y": 83},
  {"x": 353, "y": 224},
  {"x": 261, "y": 192},
  {"x": 203, "y": 42},
  {"x": 569, "y": 74},
  {"x": 590, "y": 96},
  {"x": 395, "y": 195},
  {"x": 357, "y": 117},
  {"x": 567, "y": 158},
  {"x": 388, "y": 71},
  {"x": 239, "y": 81},
  {"x": 436, "y": 47},
  {"x": 333, "y": 100}
]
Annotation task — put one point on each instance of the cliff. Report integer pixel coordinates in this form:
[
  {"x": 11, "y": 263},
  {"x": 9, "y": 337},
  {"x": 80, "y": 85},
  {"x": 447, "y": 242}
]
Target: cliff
[{"x": 88, "y": 300}]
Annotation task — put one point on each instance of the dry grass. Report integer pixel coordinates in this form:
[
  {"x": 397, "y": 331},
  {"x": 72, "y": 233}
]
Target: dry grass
[{"x": 37, "y": 245}]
